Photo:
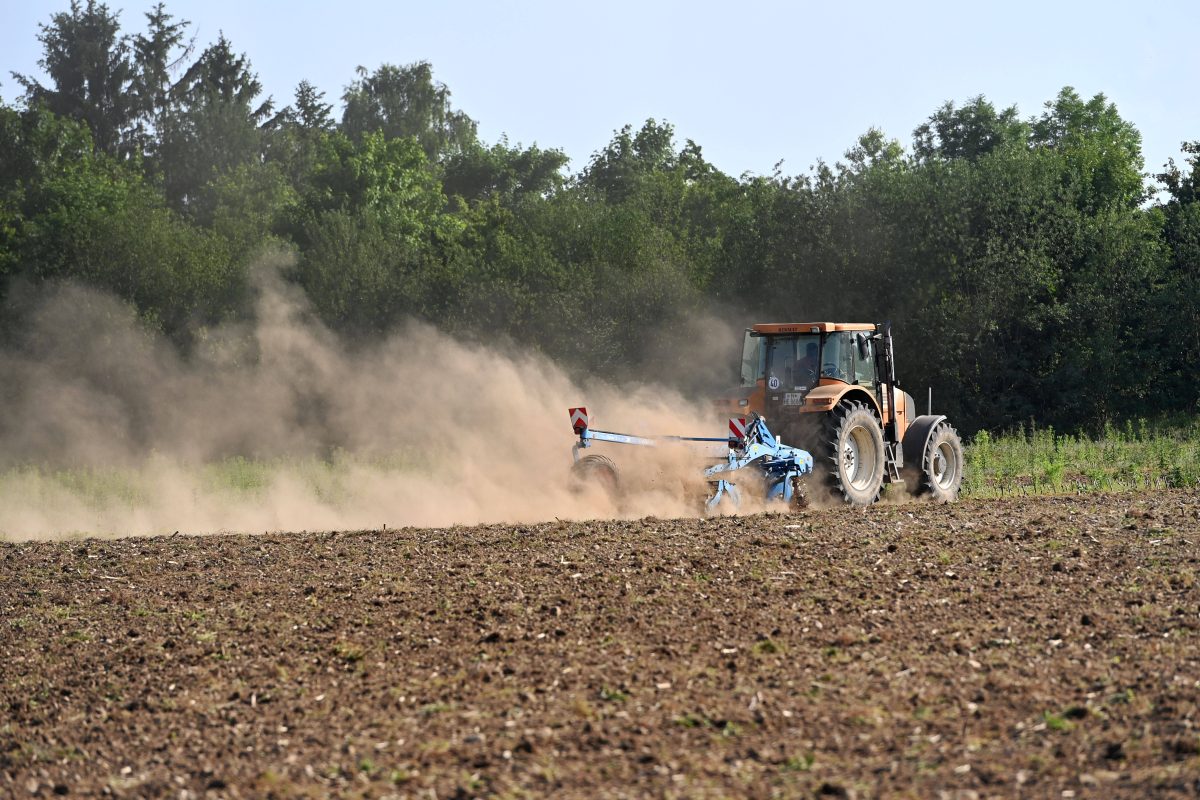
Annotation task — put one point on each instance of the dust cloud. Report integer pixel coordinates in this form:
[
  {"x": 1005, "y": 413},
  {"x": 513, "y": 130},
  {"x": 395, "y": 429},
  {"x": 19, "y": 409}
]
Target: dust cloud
[{"x": 279, "y": 425}]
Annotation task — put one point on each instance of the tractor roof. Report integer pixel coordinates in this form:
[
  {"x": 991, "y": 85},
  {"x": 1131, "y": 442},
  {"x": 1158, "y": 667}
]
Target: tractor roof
[{"x": 811, "y": 327}]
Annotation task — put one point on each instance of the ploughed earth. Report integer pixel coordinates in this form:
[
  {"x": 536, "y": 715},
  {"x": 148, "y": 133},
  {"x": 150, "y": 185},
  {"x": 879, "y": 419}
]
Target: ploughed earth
[{"x": 1045, "y": 647}]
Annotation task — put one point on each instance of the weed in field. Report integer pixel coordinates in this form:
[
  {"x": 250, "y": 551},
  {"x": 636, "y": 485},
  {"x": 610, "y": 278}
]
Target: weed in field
[
  {"x": 729, "y": 729},
  {"x": 1063, "y": 721},
  {"x": 1041, "y": 461},
  {"x": 722, "y": 727},
  {"x": 766, "y": 647},
  {"x": 801, "y": 763},
  {"x": 348, "y": 652},
  {"x": 613, "y": 695}
]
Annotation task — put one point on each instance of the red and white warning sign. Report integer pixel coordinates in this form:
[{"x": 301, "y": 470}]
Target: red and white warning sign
[
  {"x": 737, "y": 427},
  {"x": 579, "y": 418}
]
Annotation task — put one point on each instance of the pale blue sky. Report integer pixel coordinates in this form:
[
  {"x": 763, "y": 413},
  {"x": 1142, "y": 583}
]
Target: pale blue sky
[{"x": 753, "y": 82}]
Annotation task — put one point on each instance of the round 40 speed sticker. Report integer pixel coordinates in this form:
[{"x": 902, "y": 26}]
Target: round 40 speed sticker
[{"x": 773, "y": 382}]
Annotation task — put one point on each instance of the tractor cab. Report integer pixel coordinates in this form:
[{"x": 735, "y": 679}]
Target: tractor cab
[
  {"x": 797, "y": 362},
  {"x": 786, "y": 366}
]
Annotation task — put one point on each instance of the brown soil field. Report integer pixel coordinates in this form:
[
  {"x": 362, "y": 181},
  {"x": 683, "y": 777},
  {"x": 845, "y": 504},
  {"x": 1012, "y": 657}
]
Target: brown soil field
[{"x": 1018, "y": 648}]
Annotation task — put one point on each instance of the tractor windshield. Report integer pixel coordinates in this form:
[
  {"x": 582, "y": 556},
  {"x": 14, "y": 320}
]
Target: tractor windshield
[
  {"x": 837, "y": 360},
  {"x": 793, "y": 363}
]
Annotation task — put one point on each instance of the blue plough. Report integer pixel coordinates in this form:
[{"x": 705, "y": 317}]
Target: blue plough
[{"x": 751, "y": 456}]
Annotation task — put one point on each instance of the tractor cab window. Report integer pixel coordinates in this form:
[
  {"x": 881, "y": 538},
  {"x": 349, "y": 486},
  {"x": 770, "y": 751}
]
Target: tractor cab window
[
  {"x": 864, "y": 359},
  {"x": 754, "y": 360},
  {"x": 837, "y": 359},
  {"x": 793, "y": 362}
]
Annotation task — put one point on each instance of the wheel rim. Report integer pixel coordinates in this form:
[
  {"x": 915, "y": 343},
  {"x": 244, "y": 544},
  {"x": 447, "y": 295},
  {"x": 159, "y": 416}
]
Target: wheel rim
[
  {"x": 944, "y": 466},
  {"x": 857, "y": 455}
]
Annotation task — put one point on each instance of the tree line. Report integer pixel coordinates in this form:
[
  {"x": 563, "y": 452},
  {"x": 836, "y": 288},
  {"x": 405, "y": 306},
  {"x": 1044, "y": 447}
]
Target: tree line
[{"x": 1031, "y": 267}]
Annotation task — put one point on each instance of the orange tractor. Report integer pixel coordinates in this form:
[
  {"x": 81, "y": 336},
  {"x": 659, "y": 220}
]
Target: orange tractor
[{"x": 830, "y": 387}]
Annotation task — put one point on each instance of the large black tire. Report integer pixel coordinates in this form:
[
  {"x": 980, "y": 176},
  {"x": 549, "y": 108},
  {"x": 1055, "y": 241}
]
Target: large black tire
[
  {"x": 854, "y": 455},
  {"x": 593, "y": 470},
  {"x": 941, "y": 470}
]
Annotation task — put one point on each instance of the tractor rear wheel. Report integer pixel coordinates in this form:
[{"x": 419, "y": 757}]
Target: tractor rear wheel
[
  {"x": 593, "y": 470},
  {"x": 855, "y": 453},
  {"x": 941, "y": 465}
]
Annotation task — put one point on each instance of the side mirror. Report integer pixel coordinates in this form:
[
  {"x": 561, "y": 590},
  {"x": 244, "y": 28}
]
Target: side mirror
[{"x": 863, "y": 346}]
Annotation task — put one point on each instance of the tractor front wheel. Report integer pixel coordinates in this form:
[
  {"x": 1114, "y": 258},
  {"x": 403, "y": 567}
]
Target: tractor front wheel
[{"x": 854, "y": 463}]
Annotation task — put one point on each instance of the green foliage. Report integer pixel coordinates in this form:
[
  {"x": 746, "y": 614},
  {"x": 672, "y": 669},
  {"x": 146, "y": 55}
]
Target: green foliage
[
  {"x": 213, "y": 130},
  {"x": 371, "y": 227},
  {"x": 155, "y": 56},
  {"x": 1057, "y": 722},
  {"x": 406, "y": 103},
  {"x": 1103, "y": 164},
  {"x": 1174, "y": 333},
  {"x": 619, "y": 169},
  {"x": 74, "y": 214},
  {"x": 359, "y": 278},
  {"x": 246, "y": 204},
  {"x": 969, "y": 132},
  {"x": 347, "y": 652},
  {"x": 476, "y": 172},
  {"x": 91, "y": 73},
  {"x": 92, "y": 488},
  {"x": 767, "y": 647},
  {"x": 1165, "y": 454},
  {"x": 801, "y": 763},
  {"x": 613, "y": 695}
]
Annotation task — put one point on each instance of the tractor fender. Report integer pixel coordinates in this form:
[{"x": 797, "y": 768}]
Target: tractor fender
[{"x": 917, "y": 437}]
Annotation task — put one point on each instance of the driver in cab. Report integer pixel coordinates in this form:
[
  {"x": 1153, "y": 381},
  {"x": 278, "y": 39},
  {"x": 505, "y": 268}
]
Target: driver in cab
[{"x": 806, "y": 369}]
